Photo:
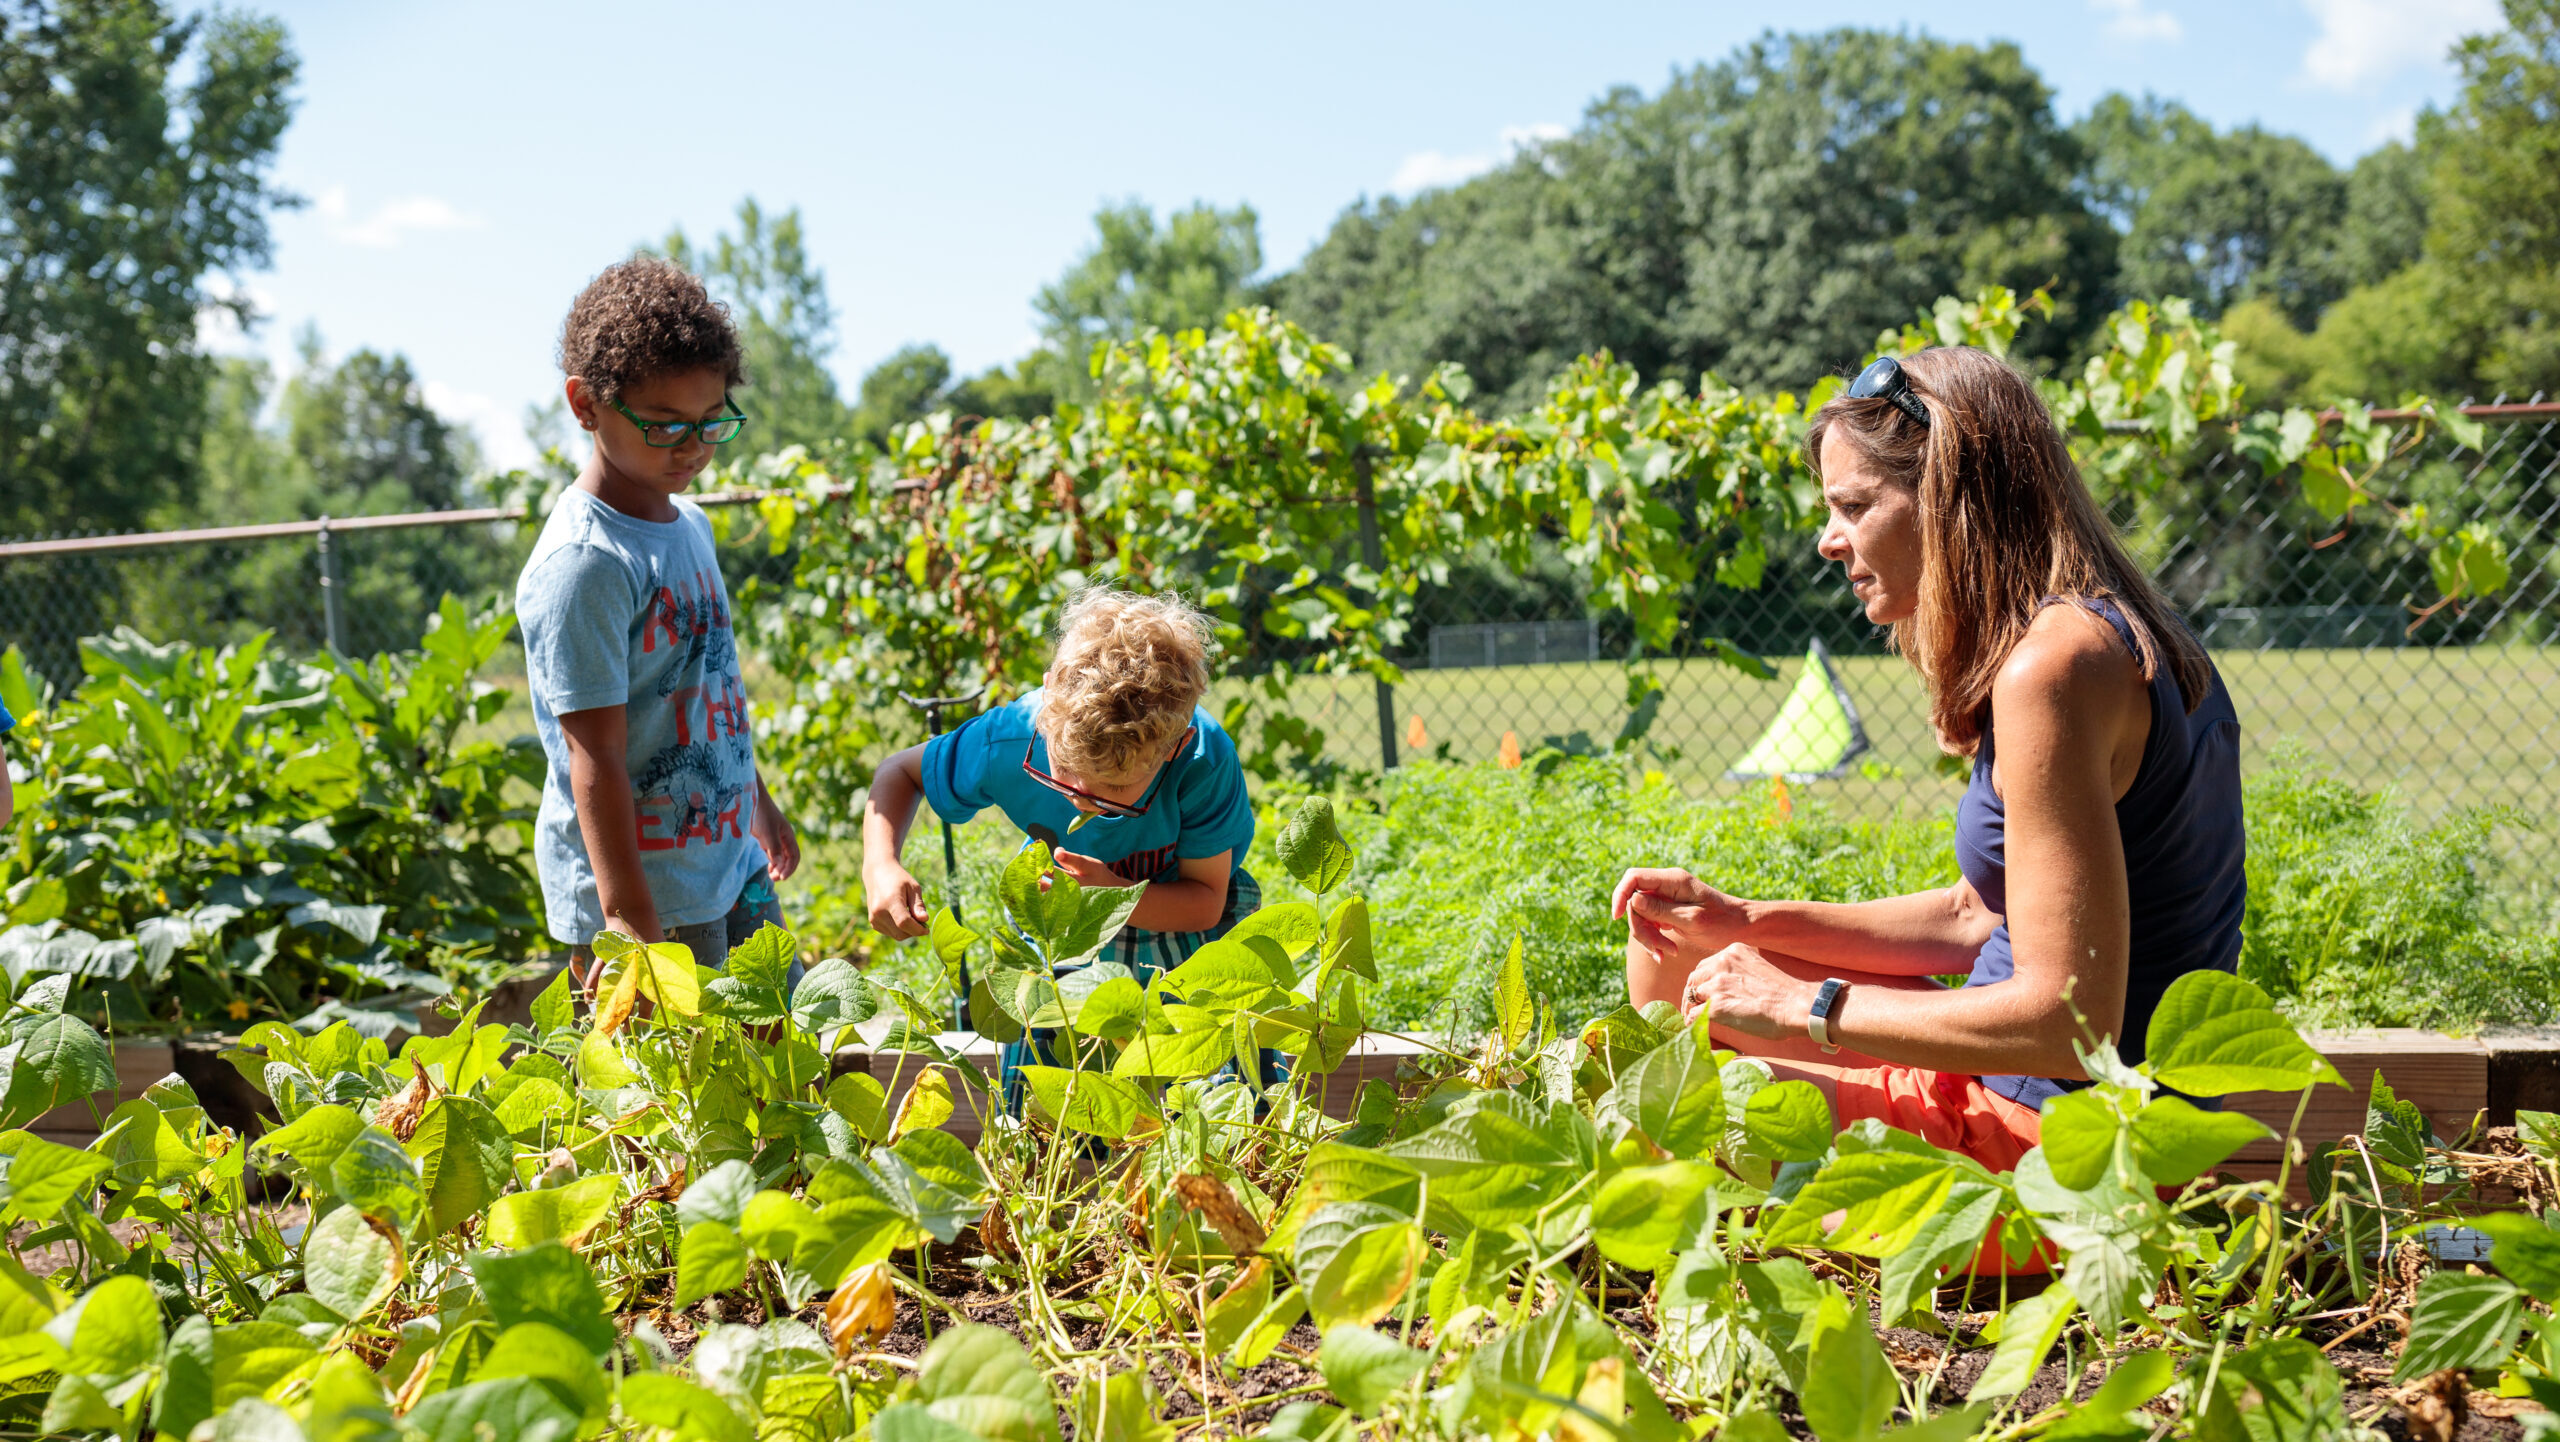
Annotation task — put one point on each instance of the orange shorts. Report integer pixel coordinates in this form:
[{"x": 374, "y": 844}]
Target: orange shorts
[
  {"x": 1957, "y": 1113},
  {"x": 1948, "y": 1110}
]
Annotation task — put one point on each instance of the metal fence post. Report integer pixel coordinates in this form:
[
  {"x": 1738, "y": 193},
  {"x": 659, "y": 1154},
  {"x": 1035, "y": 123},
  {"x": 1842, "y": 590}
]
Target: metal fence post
[
  {"x": 329, "y": 591},
  {"x": 1375, "y": 557}
]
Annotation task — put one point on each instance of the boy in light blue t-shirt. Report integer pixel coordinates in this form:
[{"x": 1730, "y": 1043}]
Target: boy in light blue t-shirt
[{"x": 654, "y": 822}]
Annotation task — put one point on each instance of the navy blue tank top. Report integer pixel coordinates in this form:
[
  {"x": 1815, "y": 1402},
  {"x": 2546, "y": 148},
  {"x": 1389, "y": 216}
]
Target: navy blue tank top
[{"x": 2184, "y": 855}]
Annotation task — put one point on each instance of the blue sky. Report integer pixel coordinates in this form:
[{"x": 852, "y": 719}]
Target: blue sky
[{"x": 471, "y": 164}]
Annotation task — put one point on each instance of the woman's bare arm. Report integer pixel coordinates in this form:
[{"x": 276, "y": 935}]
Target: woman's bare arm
[{"x": 2073, "y": 712}]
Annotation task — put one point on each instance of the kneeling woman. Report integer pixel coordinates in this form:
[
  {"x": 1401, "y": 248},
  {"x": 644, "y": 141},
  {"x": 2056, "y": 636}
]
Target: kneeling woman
[{"x": 2100, "y": 840}]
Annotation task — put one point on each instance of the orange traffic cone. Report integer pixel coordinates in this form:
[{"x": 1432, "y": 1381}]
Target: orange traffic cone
[
  {"x": 1415, "y": 736},
  {"x": 1510, "y": 756}
]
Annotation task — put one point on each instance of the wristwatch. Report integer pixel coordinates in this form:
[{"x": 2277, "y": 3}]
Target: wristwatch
[{"x": 1825, "y": 1002}]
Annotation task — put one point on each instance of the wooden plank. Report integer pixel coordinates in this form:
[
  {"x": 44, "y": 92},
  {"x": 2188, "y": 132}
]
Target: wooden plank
[{"x": 2445, "y": 1077}]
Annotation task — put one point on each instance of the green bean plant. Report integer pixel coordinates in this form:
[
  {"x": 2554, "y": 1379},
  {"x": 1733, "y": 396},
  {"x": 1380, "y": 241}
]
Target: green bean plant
[{"x": 665, "y": 1211}]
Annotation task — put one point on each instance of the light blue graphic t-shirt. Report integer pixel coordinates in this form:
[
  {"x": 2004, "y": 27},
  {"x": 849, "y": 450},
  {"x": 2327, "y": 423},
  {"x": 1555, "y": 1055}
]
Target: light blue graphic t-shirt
[
  {"x": 617, "y": 611},
  {"x": 1197, "y": 808}
]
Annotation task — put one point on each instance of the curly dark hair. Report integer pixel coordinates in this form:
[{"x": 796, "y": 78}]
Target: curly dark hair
[{"x": 646, "y": 317}]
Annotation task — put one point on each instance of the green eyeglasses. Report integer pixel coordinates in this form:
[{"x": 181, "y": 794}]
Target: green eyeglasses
[{"x": 667, "y": 435}]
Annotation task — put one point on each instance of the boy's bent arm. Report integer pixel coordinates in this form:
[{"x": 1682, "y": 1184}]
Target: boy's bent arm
[
  {"x": 890, "y": 892},
  {"x": 1192, "y": 901},
  {"x": 608, "y": 818}
]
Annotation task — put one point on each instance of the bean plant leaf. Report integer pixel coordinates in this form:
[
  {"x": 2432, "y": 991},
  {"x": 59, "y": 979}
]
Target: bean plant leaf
[
  {"x": 933, "y": 1180},
  {"x": 1364, "y": 1368},
  {"x": 2028, "y": 1331},
  {"x": 1367, "y": 1275},
  {"x": 1642, "y": 1215},
  {"x": 545, "y": 1283},
  {"x": 710, "y": 1260},
  {"x": 1884, "y": 1198},
  {"x": 2460, "y": 1321},
  {"x": 373, "y": 1175},
  {"x": 1674, "y": 1094},
  {"x": 1513, "y": 1011},
  {"x": 556, "y": 1007},
  {"x": 1224, "y": 1320},
  {"x": 349, "y": 1263},
  {"x": 1348, "y": 945},
  {"x": 688, "y": 1409},
  {"x": 1121, "y": 1407},
  {"x": 2277, "y": 1391},
  {"x": 1091, "y": 1102},
  {"x": 518, "y": 1409},
  {"x": 1946, "y": 1240},
  {"x": 55, "y": 1059},
  {"x": 1295, "y": 926},
  {"x": 44, "y": 1175},
  {"x": 2526, "y": 1249},
  {"x": 1311, "y": 846},
  {"x": 2175, "y": 1141},
  {"x": 2214, "y": 1034},
  {"x": 465, "y": 1158},
  {"x": 537, "y": 1349},
  {"x": 1789, "y": 1120},
  {"x": 1857, "y": 1386},
  {"x": 979, "y": 1379},
  {"x": 660, "y": 971},
  {"x": 565, "y": 1213},
  {"x": 718, "y": 1195}
]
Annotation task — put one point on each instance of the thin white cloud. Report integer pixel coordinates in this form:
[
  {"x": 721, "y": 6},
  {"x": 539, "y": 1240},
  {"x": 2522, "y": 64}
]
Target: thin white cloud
[
  {"x": 2399, "y": 124},
  {"x": 501, "y": 435},
  {"x": 2133, "y": 20},
  {"x": 2364, "y": 42},
  {"x": 1432, "y": 169},
  {"x": 390, "y": 221}
]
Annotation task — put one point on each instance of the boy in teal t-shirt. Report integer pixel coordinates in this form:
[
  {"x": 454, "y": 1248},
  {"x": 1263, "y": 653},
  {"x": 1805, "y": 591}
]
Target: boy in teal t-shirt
[{"x": 1116, "y": 734}]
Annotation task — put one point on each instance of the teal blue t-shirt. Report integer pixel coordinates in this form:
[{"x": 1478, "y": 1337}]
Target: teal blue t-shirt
[{"x": 1197, "y": 808}]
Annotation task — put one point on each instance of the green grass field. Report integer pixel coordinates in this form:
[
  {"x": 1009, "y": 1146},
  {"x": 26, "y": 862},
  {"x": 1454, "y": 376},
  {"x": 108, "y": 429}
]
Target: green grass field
[{"x": 2444, "y": 727}]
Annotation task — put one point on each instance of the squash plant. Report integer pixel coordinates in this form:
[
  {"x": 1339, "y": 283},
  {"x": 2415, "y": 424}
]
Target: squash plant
[
  {"x": 665, "y": 1215},
  {"x": 210, "y": 835}
]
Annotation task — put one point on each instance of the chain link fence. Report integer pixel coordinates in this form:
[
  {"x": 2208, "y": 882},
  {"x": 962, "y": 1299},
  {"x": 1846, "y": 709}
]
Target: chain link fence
[{"x": 2317, "y": 627}]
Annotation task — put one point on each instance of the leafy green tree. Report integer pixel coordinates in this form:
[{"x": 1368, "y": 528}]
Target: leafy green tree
[
  {"x": 785, "y": 324},
  {"x": 135, "y": 150},
  {"x": 2496, "y": 218},
  {"x": 2216, "y": 216},
  {"x": 348, "y": 439},
  {"x": 2386, "y": 222},
  {"x": 910, "y": 385},
  {"x": 1187, "y": 272},
  {"x": 1762, "y": 217}
]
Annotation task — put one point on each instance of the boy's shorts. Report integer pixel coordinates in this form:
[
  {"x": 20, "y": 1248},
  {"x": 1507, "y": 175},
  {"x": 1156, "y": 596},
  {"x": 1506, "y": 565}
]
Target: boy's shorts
[{"x": 711, "y": 941}]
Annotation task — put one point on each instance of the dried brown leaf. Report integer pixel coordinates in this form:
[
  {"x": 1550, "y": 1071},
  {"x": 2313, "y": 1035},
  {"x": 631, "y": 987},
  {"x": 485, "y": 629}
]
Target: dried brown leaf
[
  {"x": 1219, "y": 1208},
  {"x": 862, "y": 1309}
]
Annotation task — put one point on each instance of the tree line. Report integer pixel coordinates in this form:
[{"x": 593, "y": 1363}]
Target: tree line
[{"x": 1760, "y": 218}]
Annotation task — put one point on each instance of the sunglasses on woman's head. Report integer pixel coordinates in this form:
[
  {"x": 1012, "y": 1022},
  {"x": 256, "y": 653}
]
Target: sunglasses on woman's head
[
  {"x": 1885, "y": 381},
  {"x": 1104, "y": 805}
]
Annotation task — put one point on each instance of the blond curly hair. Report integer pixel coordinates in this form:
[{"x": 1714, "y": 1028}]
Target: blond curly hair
[{"x": 1128, "y": 671}]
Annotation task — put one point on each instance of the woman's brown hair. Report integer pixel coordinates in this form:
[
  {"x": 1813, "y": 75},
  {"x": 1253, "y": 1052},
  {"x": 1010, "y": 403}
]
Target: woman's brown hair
[{"x": 2007, "y": 528}]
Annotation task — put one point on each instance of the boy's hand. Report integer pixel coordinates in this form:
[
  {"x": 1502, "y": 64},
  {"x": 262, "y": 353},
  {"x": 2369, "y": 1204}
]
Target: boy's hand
[
  {"x": 895, "y": 900},
  {"x": 1088, "y": 871},
  {"x": 773, "y": 831}
]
